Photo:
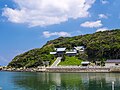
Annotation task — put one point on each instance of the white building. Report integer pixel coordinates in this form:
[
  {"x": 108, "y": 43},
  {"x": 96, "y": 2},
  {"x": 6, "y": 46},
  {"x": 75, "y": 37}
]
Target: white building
[
  {"x": 71, "y": 53},
  {"x": 62, "y": 51},
  {"x": 85, "y": 63},
  {"x": 113, "y": 62},
  {"x": 80, "y": 49},
  {"x": 59, "y": 52}
]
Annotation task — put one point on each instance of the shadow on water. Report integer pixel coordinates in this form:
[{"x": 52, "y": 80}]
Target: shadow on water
[{"x": 65, "y": 81}]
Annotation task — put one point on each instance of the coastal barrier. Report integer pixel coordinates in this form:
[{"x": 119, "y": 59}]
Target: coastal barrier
[
  {"x": 115, "y": 69},
  {"x": 66, "y": 69},
  {"x": 77, "y": 69}
]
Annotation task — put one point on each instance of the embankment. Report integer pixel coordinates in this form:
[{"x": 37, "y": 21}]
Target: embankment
[{"x": 78, "y": 69}]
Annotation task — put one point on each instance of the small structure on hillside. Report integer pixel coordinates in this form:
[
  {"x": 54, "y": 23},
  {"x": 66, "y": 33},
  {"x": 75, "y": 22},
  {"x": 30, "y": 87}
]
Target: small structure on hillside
[
  {"x": 71, "y": 53},
  {"x": 85, "y": 63},
  {"x": 112, "y": 62},
  {"x": 53, "y": 53},
  {"x": 59, "y": 52},
  {"x": 80, "y": 49},
  {"x": 97, "y": 63},
  {"x": 46, "y": 63},
  {"x": 0, "y": 68}
]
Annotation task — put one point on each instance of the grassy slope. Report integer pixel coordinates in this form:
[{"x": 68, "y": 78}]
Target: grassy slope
[{"x": 70, "y": 61}]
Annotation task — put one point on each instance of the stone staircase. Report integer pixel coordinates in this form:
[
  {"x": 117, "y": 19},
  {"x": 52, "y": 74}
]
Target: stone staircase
[{"x": 57, "y": 61}]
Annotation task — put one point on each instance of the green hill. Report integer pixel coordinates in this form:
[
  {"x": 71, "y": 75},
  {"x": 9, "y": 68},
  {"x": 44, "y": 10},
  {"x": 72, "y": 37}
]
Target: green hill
[{"x": 99, "y": 46}]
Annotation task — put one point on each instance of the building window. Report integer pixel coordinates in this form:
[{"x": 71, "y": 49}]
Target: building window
[{"x": 116, "y": 64}]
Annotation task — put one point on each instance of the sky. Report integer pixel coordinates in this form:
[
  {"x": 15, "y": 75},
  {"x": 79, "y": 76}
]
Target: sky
[{"x": 28, "y": 24}]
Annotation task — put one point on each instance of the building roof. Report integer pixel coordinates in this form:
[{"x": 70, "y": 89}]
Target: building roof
[
  {"x": 79, "y": 47},
  {"x": 71, "y": 52},
  {"x": 53, "y": 52},
  {"x": 85, "y": 62},
  {"x": 60, "y": 49},
  {"x": 113, "y": 61}
]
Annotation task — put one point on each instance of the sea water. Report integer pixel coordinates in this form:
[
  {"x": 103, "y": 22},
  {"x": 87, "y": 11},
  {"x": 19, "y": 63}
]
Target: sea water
[{"x": 59, "y": 81}]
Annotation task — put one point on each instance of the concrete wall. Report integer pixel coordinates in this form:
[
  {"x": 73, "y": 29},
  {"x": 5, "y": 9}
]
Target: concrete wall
[
  {"x": 111, "y": 64},
  {"x": 77, "y": 69}
]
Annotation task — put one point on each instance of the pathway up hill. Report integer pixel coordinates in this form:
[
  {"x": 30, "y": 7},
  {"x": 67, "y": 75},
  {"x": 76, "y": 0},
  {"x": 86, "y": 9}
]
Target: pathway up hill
[{"x": 57, "y": 61}]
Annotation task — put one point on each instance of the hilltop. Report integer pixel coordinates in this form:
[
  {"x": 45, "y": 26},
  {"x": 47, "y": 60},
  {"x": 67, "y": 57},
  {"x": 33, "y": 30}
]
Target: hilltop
[{"x": 98, "y": 46}]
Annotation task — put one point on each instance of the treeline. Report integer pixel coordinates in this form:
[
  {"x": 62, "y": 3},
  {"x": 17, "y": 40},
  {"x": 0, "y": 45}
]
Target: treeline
[{"x": 99, "y": 46}]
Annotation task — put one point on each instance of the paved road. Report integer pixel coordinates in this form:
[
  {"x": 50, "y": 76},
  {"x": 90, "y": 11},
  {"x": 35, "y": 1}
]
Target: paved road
[{"x": 57, "y": 61}]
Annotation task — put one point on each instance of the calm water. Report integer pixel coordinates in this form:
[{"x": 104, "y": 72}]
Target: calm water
[{"x": 58, "y": 81}]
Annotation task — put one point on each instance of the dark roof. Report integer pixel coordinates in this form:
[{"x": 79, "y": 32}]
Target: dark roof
[{"x": 113, "y": 61}]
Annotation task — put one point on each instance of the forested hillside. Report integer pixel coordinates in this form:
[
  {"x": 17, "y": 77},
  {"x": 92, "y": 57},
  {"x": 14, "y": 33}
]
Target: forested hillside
[{"x": 98, "y": 46}]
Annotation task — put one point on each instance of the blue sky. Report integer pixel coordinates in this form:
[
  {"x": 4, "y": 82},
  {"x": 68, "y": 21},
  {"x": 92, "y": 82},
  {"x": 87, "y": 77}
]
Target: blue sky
[{"x": 28, "y": 24}]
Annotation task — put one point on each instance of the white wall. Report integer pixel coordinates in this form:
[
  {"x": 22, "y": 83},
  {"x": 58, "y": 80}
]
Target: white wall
[{"x": 109, "y": 64}]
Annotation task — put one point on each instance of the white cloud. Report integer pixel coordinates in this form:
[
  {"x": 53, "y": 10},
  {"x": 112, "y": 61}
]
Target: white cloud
[
  {"x": 103, "y": 16},
  {"x": 104, "y": 2},
  {"x": 92, "y": 24},
  {"x": 48, "y": 34},
  {"x": 102, "y": 29},
  {"x": 47, "y": 12}
]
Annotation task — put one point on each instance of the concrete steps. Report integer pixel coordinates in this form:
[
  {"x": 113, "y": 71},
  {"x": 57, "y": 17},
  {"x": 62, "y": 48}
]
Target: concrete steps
[{"x": 57, "y": 61}]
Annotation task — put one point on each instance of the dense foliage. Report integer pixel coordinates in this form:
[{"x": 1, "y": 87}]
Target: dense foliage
[
  {"x": 99, "y": 46},
  {"x": 33, "y": 58}
]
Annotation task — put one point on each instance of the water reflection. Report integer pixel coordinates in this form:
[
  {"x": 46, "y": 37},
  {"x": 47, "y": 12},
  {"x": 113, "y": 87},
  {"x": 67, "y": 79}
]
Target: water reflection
[{"x": 66, "y": 81}]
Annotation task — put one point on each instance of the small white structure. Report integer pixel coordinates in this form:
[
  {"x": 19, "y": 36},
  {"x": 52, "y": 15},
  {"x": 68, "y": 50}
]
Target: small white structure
[
  {"x": 62, "y": 51},
  {"x": 53, "y": 53},
  {"x": 85, "y": 63},
  {"x": 71, "y": 53},
  {"x": 114, "y": 62},
  {"x": 59, "y": 52},
  {"x": 80, "y": 49}
]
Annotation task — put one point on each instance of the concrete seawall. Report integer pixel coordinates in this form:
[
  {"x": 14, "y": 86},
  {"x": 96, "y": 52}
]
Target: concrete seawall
[
  {"x": 77, "y": 69},
  {"x": 66, "y": 69}
]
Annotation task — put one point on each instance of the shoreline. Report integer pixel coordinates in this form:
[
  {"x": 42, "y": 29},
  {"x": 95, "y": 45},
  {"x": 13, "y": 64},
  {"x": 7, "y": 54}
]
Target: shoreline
[
  {"x": 66, "y": 69},
  {"x": 77, "y": 69}
]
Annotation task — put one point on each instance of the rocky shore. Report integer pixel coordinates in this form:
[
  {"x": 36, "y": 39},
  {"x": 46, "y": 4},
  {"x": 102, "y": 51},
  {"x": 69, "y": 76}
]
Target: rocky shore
[{"x": 38, "y": 69}]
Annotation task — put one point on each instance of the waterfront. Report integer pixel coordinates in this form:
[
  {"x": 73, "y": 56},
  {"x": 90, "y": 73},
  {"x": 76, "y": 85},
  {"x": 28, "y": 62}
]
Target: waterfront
[{"x": 58, "y": 81}]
